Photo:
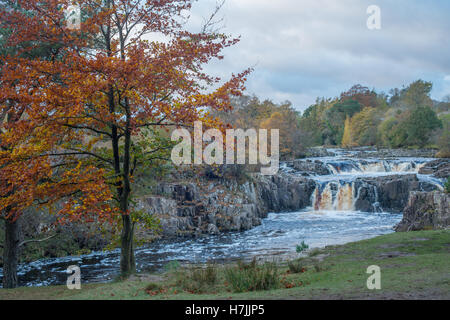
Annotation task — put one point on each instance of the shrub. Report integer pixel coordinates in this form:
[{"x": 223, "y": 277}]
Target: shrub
[
  {"x": 207, "y": 276},
  {"x": 197, "y": 280},
  {"x": 302, "y": 247},
  {"x": 447, "y": 186},
  {"x": 153, "y": 287},
  {"x": 172, "y": 266},
  {"x": 296, "y": 266},
  {"x": 252, "y": 277}
]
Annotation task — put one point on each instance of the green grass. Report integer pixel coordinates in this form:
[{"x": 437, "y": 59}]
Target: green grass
[{"x": 413, "y": 265}]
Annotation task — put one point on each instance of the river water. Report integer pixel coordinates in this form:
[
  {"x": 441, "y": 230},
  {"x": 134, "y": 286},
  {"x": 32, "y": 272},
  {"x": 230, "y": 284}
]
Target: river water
[{"x": 328, "y": 222}]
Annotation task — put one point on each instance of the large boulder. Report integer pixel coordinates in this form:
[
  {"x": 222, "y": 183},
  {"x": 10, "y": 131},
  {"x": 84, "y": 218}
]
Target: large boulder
[{"x": 426, "y": 210}]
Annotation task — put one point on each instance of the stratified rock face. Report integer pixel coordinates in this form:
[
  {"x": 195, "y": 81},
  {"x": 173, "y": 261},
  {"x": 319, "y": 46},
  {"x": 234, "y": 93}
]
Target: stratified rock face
[
  {"x": 167, "y": 210},
  {"x": 426, "y": 210},
  {"x": 211, "y": 207},
  {"x": 388, "y": 193},
  {"x": 281, "y": 193},
  {"x": 438, "y": 168}
]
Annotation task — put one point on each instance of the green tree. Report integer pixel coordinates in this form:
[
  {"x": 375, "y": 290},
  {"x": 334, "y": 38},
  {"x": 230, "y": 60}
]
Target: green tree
[
  {"x": 444, "y": 139},
  {"x": 335, "y": 118},
  {"x": 417, "y": 94},
  {"x": 420, "y": 126},
  {"x": 391, "y": 133}
]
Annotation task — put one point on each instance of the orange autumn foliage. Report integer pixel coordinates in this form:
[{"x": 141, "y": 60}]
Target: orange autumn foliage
[{"x": 104, "y": 84}]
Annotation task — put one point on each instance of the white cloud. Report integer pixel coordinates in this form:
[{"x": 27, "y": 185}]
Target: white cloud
[{"x": 309, "y": 48}]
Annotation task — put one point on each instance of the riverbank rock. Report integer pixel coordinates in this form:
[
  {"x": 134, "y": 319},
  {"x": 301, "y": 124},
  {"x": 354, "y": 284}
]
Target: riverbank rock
[{"x": 426, "y": 210}]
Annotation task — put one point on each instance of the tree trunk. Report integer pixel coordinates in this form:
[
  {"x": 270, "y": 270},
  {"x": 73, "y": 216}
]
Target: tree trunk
[
  {"x": 127, "y": 263},
  {"x": 10, "y": 254},
  {"x": 127, "y": 260}
]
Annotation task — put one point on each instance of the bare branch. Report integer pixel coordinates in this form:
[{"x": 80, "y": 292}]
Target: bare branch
[
  {"x": 211, "y": 24},
  {"x": 35, "y": 240}
]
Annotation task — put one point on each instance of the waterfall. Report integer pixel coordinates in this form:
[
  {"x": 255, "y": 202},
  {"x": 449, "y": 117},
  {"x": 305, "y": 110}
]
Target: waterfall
[{"x": 334, "y": 196}]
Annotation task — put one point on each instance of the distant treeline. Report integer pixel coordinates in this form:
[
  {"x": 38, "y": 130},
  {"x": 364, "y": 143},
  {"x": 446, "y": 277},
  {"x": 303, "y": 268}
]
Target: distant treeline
[{"x": 404, "y": 118}]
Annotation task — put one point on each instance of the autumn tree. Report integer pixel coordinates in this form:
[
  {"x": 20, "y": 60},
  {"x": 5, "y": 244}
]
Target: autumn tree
[
  {"x": 347, "y": 137},
  {"x": 27, "y": 176},
  {"x": 115, "y": 85},
  {"x": 286, "y": 120},
  {"x": 364, "y": 96},
  {"x": 364, "y": 127}
]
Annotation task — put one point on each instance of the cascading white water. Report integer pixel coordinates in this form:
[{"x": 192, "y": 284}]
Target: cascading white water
[{"x": 334, "y": 197}]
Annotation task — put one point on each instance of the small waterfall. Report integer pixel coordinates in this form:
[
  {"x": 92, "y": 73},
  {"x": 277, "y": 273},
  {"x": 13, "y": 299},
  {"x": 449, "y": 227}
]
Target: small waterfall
[
  {"x": 373, "y": 167},
  {"x": 376, "y": 205},
  {"x": 334, "y": 196},
  {"x": 345, "y": 198}
]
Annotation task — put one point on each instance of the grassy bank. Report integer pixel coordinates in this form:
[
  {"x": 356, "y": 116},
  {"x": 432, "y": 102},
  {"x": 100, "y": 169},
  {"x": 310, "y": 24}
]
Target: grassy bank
[{"x": 413, "y": 266}]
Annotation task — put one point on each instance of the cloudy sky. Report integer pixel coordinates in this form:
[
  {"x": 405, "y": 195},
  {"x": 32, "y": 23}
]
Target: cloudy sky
[{"x": 302, "y": 49}]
